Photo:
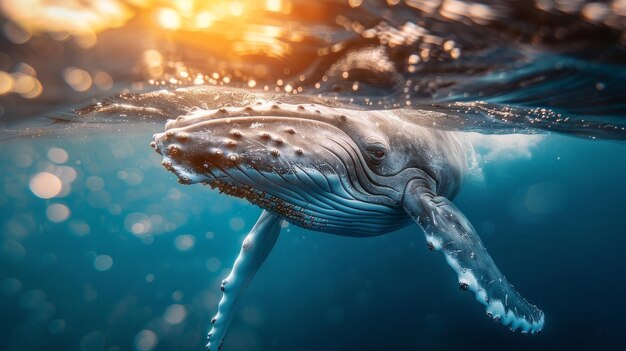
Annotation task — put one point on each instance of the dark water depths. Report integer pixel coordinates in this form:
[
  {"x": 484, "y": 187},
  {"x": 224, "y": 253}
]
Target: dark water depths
[{"x": 102, "y": 249}]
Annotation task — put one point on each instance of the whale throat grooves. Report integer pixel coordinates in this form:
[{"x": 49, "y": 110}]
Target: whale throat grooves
[{"x": 273, "y": 204}]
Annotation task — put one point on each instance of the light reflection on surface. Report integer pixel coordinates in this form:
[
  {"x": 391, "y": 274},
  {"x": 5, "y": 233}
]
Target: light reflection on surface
[
  {"x": 72, "y": 17},
  {"x": 248, "y": 43},
  {"x": 410, "y": 51},
  {"x": 160, "y": 42}
]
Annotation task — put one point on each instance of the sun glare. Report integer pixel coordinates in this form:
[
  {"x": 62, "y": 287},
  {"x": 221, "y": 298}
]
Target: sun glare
[{"x": 84, "y": 19}]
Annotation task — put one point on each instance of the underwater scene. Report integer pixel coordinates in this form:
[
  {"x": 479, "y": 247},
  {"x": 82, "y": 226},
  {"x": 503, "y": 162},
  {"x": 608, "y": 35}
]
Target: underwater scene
[{"x": 306, "y": 175}]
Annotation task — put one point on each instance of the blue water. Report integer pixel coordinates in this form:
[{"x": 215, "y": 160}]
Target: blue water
[{"x": 138, "y": 262}]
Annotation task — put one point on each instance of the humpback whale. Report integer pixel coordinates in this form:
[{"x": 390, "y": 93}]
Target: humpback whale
[{"x": 338, "y": 171}]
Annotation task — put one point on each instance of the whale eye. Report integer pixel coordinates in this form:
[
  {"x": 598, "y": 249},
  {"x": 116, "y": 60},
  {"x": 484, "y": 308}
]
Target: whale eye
[{"x": 376, "y": 152}]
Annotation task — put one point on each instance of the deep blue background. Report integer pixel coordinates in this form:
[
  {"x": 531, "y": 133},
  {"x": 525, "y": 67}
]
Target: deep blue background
[{"x": 553, "y": 224}]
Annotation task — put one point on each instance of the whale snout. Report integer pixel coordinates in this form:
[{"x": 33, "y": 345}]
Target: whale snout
[
  {"x": 266, "y": 136},
  {"x": 213, "y": 147},
  {"x": 230, "y": 144},
  {"x": 169, "y": 142},
  {"x": 168, "y": 145},
  {"x": 154, "y": 143}
]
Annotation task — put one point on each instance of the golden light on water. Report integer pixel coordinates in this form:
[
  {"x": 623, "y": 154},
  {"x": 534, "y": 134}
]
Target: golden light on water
[
  {"x": 246, "y": 43},
  {"x": 201, "y": 14},
  {"x": 22, "y": 82},
  {"x": 84, "y": 19},
  {"x": 168, "y": 18},
  {"x": 243, "y": 33},
  {"x": 238, "y": 27}
]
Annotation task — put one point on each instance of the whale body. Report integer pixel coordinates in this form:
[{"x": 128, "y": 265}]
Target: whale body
[{"x": 340, "y": 171}]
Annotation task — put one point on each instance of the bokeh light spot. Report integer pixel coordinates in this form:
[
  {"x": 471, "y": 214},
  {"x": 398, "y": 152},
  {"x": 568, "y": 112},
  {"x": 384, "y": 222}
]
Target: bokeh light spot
[
  {"x": 184, "y": 242},
  {"x": 175, "y": 314},
  {"x": 45, "y": 185},
  {"x": 237, "y": 223},
  {"x": 7, "y": 83},
  {"x": 103, "y": 263},
  {"x": 57, "y": 213},
  {"x": 146, "y": 340},
  {"x": 213, "y": 264},
  {"x": 58, "y": 155},
  {"x": 80, "y": 80}
]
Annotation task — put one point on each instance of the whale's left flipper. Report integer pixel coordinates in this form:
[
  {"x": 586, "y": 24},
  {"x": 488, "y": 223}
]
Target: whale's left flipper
[
  {"x": 447, "y": 230},
  {"x": 254, "y": 250}
]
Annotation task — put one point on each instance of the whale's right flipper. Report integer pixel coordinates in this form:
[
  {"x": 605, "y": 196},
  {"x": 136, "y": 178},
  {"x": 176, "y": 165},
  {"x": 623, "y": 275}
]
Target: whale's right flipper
[
  {"x": 447, "y": 230},
  {"x": 254, "y": 250}
]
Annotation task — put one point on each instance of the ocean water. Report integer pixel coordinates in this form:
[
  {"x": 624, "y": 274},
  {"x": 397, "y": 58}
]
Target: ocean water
[
  {"x": 102, "y": 249},
  {"x": 126, "y": 258}
]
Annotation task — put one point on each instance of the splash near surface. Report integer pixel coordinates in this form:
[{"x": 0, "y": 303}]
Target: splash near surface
[{"x": 436, "y": 68}]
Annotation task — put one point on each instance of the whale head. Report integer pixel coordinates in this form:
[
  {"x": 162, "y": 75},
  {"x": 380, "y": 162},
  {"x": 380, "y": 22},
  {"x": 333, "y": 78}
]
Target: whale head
[{"x": 317, "y": 166}]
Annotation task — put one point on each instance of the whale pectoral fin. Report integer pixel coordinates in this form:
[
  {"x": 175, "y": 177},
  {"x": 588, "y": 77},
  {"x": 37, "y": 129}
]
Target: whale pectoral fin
[
  {"x": 254, "y": 250},
  {"x": 447, "y": 230}
]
